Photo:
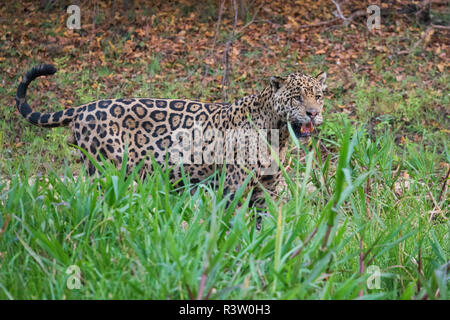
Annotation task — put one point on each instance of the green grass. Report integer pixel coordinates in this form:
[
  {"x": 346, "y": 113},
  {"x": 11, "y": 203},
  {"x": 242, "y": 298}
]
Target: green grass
[
  {"x": 376, "y": 186},
  {"x": 143, "y": 239}
]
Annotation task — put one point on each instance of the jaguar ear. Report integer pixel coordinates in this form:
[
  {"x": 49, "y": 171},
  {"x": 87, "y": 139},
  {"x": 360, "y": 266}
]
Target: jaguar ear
[
  {"x": 276, "y": 83},
  {"x": 322, "y": 77}
]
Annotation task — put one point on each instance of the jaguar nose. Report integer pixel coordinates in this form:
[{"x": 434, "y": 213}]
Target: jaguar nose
[{"x": 311, "y": 113}]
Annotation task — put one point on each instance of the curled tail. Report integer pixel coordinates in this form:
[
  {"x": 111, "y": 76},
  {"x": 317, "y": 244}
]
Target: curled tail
[{"x": 53, "y": 119}]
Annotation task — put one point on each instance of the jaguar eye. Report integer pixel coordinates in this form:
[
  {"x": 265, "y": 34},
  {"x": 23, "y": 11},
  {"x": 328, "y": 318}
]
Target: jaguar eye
[
  {"x": 318, "y": 97},
  {"x": 298, "y": 98}
]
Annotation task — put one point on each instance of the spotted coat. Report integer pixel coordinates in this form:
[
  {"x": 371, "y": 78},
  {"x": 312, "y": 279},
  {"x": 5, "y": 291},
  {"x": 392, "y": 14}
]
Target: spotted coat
[{"x": 146, "y": 126}]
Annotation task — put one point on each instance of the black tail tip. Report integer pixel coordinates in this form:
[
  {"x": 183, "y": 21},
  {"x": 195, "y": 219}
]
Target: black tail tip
[
  {"x": 44, "y": 69},
  {"x": 37, "y": 71}
]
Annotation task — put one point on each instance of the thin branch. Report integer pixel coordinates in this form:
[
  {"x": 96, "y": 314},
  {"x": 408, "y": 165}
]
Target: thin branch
[
  {"x": 308, "y": 239},
  {"x": 202, "y": 286},
  {"x": 419, "y": 267},
  {"x": 339, "y": 11},
  {"x": 252, "y": 20},
  {"x": 436, "y": 26},
  {"x": 318, "y": 24},
  {"x": 340, "y": 16},
  {"x": 226, "y": 77},
  {"x": 356, "y": 14},
  {"x": 5, "y": 224},
  {"x": 190, "y": 293},
  {"x": 219, "y": 20},
  {"x": 325, "y": 238},
  {"x": 444, "y": 184},
  {"x": 261, "y": 277},
  {"x": 428, "y": 32},
  {"x": 370, "y": 249},
  {"x": 425, "y": 5},
  {"x": 361, "y": 262},
  {"x": 351, "y": 17}
]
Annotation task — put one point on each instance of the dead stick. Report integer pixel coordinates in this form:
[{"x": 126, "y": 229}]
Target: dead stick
[
  {"x": 327, "y": 235},
  {"x": 219, "y": 19},
  {"x": 338, "y": 7},
  {"x": 308, "y": 239},
  {"x": 318, "y": 24},
  {"x": 252, "y": 20},
  {"x": 419, "y": 266},
  {"x": 444, "y": 184},
  {"x": 5, "y": 224},
  {"x": 361, "y": 262},
  {"x": 366, "y": 196},
  {"x": 347, "y": 21},
  {"x": 202, "y": 286},
  {"x": 225, "y": 79},
  {"x": 436, "y": 26}
]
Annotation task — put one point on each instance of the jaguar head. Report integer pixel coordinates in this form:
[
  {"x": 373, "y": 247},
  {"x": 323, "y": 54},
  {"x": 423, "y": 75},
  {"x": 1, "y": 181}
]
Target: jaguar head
[{"x": 298, "y": 98}]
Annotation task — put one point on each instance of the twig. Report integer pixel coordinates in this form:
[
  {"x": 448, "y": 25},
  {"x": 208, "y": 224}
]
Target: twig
[
  {"x": 419, "y": 267},
  {"x": 318, "y": 24},
  {"x": 325, "y": 238},
  {"x": 425, "y": 5},
  {"x": 338, "y": 8},
  {"x": 366, "y": 196},
  {"x": 444, "y": 184},
  {"x": 261, "y": 277},
  {"x": 356, "y": 14},
  {"x": 436, "y": 205},
  {"x": 208, "y": 294},
  {"x": 340, "y": 16},
  {"x": 350, "y": 18},
  {"x": 190, "y": 293},
  {"x": 219, "y": 19},
  {"x": 427, "y": 34},
  {"x": 425, "y": 297},
  {"x": 252, "y": 20},
  {"x": 436, "y": 26},
  {"x": 5, "y": 224},
  {"x": 308, "y": 239},
  {"x": 202, "y": 286},
  {"x": 370, "y": 249},
  {"x": 415, "y": 45},
  {"x": 319, "y": 143},
  {"x": 361, "y": 262},
  {"x": 226, "y": 77}
]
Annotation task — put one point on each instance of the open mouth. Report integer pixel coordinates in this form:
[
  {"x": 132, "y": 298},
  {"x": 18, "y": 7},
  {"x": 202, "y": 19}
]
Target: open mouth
[{"x": 302, "y": 130}]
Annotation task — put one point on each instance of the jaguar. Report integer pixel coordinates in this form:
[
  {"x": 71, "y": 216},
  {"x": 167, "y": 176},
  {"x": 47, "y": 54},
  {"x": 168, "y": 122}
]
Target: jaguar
[{"x": 146, "y": 128}]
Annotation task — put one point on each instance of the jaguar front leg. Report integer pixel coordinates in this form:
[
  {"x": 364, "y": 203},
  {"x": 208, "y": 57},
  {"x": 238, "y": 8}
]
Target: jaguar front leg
[
  {"x": 234, "y": 180},
  {"x": 270, "y": 184}
]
